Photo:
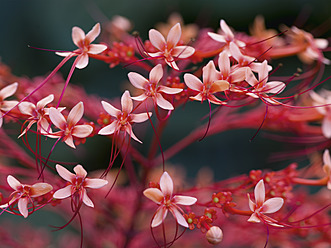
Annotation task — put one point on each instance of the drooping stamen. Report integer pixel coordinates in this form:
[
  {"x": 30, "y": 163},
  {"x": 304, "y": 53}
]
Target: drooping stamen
[
  {"x": 209, "y": 120},
  {"x": 264, "y": 118}
]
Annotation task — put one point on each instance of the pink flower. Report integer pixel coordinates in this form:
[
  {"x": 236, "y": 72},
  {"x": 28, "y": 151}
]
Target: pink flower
[
  {"x": 84, "y": 44},
  {"x": 69, "y": 128},
  {"x": 169, "y": 49},
  {"x": 124, "y": 118},
  {"x": 210, "y": 85},
  {"x": 262, "y": 87},
  {"x": 226, "y": 36},
  {"x": 168, "y": 202},
  {"x": 262, "y": 207},
  {"x": 37, "y": 114},
  {"x": 151, "y": 87},
  {"x": 77, "y": 184},
  {"x": 327, "y": 166},
  {"x": 322, "y": 101},
  {"x": 5, "y": 106},
  {"x": 24, "y": 192}
]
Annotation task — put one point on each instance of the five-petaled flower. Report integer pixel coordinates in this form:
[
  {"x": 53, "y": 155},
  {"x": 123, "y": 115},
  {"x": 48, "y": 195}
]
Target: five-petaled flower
[
  {"x": 124, "y": 118},
  {"x": 262, "y": 206},
  {"x": 23, "y": 194},
  {"x": 37, "y": 114},
  {"x": 77, "y": 184},
  {"x": 210, "y": 86},
  {"x": 151, "y": 87},
  {"x": 169, "y": 49},
  {"x": 84, "y": 45},
  {"x": 69, "y": 128},
  {"x": 5, "y": 106},
  {"x": 168, "y": 202}
]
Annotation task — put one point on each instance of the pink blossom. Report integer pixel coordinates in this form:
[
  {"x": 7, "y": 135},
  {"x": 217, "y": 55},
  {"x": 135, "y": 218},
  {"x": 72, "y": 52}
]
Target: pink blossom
[
  {"x": 5, "y": 106},
  {"x": 68, "y": 127},
  {"x": 77, "y": 184},
  {"x": 262, "y": 206},
  {"x": 24, "y": 192},
  {"x": 124, "y": 117},
  {"x": 151, "y": 87},
  {"x": 226, "y": 36},
  {"x": 169, "y": 49},
  {"x": 167, "y": 202},
  {"x": 211, "y": 84},
  {"x": 84, "y": 45}
]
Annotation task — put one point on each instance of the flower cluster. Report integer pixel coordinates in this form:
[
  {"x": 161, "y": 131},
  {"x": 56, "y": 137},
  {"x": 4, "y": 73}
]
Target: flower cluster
[{"x": 233, "y": 73}]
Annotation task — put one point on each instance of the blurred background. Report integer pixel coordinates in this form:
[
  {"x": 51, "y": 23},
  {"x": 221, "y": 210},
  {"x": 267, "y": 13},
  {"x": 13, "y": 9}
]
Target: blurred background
[{"x": 48, "y": 24}]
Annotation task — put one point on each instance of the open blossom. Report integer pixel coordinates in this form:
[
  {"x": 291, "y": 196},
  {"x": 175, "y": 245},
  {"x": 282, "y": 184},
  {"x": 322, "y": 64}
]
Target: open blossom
[
  {"x": 5, "y": 105},
  {"x": 211, "y": 84},
  {"x": 322, "y": 101},
  {"x": 226, "y": 36},
  {"x": 84, "y": 45},
  {"x": 327, "y": 167},
  {"x": 169, "y": 49},
  {"x": 77, "y": 184},
  {"x": 24, "y": 192},
  {"x": 312, "y": 46},
  {"x": 168, "y": 202},
  {"x": 68, "y": 127},
  {"x": 151, "y": 87},
  {"x": 124, "y": 117},
  {"x": 262, "y": 206},
  {"x": 262, "y": 87},
  {"x": 37, "y": 113}
]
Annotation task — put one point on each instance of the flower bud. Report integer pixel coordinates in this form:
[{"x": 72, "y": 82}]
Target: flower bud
[{"x": 214, "y": 235}]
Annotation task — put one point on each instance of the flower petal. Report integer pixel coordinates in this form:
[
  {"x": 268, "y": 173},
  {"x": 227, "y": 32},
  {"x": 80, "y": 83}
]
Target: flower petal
[
  {"x": 110, "y": 109},
  {"x": 184, "y": 200},
  {"x": 173, "y": 36},
  {"x": 226, "y": 30},
  {"x": 138, "y": 80},
  {"x": 23, "y": 206},
  {"x": 251, "y": 204},
  {"x": 126, "y": 102},
  {"x": 224, "y": 64},
  {"x": 75, "y": 114},
  {"x": 80, "y": 171},
  {"x": 95, "y": 183},
  {"x": 154, "y": 194},
  {"x": 138, "y": 118},
  {"x": 219, "y": 86},
  {"x": 8, "y": 91},
  {"x": 156, "y": 74},
  {"x": 82, "y": 61},
  {"x": 193, "y": 82},
  {"x": 254, "y": 218},
  {"x": 93, "y": 33},
  {"x": 272, "y": 205},
  {"x": 182, "y": 52},
  {"x": 82, "y": 131},
  {"x": 128, "y": 129},
  {"x": 157, "y": 39},
  {"x": 326, "y": 158},
  {"x": 63, "y": 193},
  {"x": 160, "y": 215},
  {"x": 27, "y": 108},
  {"x": 217, "y": 37},
  {"x": 13, "y": 182},
  {"x": 96, "y": 48},
  {"x": 78, "y": 36},
  {"x": 166, "y": 184},
  {"x": 259, "y": 193},
  {"x": 163, "y": 103},
  {"x": 209, "y": 73},
  {"x": 43, "y": 102},
  {"x": 57, "y": 118},
  {"x": 326, "y": 128},
  {"x": 87, "y": 200},
  {"x": 139, "y": 98},
  {"x": 109, "y": 129},
  {"x": 64, "y": 173},
  {"x": 69, "y": 140},
  {"x": 169, "y": 90},
  {"x": 39, "y": 189},
  {"x": 179, "y": 217}
]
